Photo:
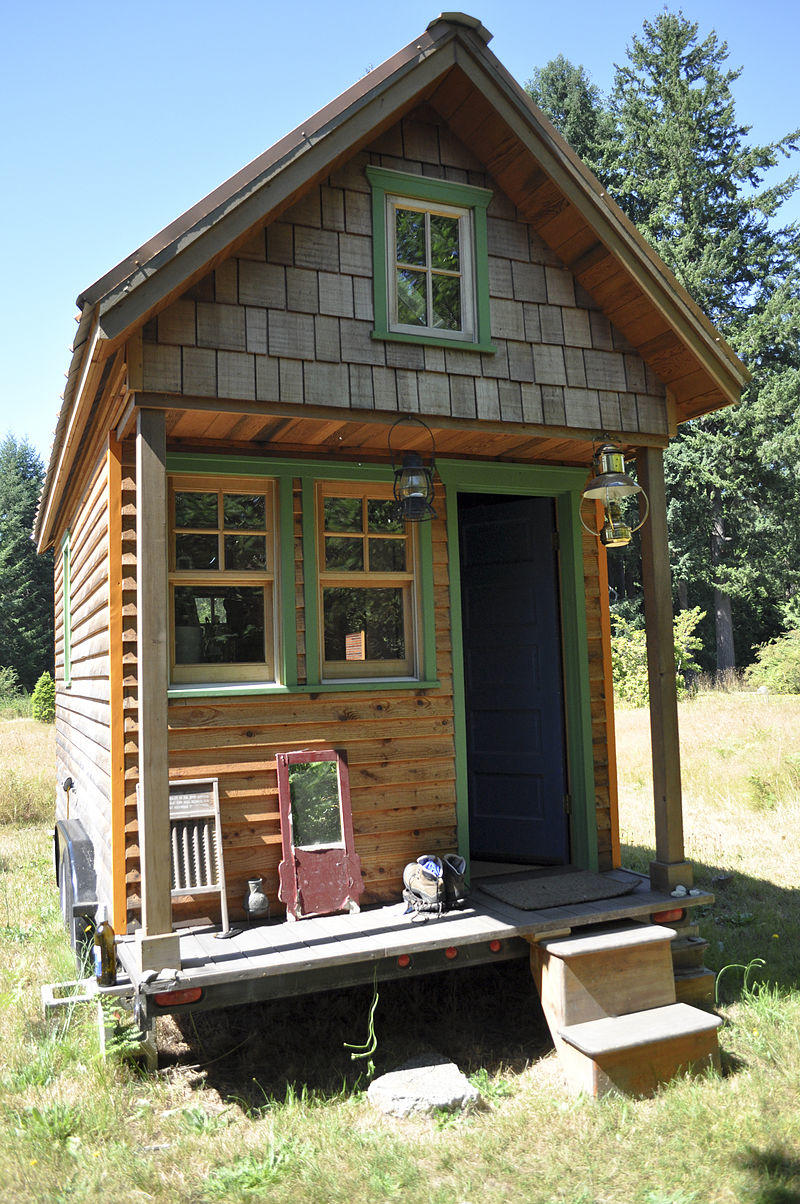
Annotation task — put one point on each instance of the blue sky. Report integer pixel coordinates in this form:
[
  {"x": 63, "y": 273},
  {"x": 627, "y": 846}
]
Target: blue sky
[{"x": 118, "y": 117}]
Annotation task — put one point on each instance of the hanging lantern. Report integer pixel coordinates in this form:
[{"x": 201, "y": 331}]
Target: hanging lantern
[
  {"x": 609, "y": 484},
  {"x": 413, "y": 479}
]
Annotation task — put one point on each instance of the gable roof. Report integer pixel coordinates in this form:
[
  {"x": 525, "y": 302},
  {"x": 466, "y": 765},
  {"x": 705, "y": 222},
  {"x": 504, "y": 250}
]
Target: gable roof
[{"x": 451, "y": 68}]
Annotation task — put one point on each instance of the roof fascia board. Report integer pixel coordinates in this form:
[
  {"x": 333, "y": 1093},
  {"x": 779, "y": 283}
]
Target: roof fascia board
[
  {"x": 603, "y": 215},
  {"x": 126, "y": 304},
  {"x": 54, "y": 483}
]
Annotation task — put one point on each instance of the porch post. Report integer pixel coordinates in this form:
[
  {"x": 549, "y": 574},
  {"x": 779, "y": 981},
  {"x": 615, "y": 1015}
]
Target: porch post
[
  {"x": 670, "y": 867},
  {"x": 158, "y": 946}
]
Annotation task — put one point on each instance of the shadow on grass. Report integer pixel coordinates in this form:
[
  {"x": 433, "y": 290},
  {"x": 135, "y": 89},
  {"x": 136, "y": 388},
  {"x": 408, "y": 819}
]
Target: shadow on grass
[
  {"x": 750, "y": 918},
  {"x": 776, "y": 1174},
  {"x": 486, "y": 1017}
]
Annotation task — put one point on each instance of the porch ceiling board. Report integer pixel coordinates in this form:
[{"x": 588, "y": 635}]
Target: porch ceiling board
[{"x": 203, "y": 430}]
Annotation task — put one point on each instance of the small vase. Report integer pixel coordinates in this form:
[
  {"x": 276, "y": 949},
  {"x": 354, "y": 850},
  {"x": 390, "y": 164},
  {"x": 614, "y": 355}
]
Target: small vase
[{"x": 256, "y": 903}]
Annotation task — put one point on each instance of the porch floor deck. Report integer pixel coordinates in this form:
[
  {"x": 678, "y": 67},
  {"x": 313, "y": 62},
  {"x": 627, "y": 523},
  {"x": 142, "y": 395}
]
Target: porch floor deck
[{"x": 287, "y": 958}]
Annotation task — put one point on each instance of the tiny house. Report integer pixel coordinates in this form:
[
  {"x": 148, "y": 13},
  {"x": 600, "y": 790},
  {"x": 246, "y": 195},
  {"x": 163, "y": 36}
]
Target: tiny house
[{"x": 265, "y": 669}]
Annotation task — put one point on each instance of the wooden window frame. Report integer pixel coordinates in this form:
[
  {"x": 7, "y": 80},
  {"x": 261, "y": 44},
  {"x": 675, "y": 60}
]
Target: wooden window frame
[
  {"x": 208, "y": 673},
  {"x": 407, "y": 580},
  {"x": 393, "y": 189},
  {"x": 298, "y": 536},
  {"x": 466, "y": 274}
]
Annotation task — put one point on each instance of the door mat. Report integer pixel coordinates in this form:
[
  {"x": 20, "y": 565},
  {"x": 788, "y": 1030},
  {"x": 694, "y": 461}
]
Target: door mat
[{"x": 542, "y": 889}]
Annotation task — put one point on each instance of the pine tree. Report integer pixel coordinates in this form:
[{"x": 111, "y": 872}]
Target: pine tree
[
  {"x": 679, "y": 164},
  {"x": 26, "y": 579},
  {"x": 575, "y": 107}
]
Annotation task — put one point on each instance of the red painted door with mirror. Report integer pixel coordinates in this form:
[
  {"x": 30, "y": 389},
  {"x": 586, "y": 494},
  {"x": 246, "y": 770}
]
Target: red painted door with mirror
[{"x": 320, "y": 872}]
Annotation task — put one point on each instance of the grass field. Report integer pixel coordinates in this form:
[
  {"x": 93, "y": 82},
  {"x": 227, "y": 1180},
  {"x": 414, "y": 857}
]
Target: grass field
[{"x": 264, "y": 1104}]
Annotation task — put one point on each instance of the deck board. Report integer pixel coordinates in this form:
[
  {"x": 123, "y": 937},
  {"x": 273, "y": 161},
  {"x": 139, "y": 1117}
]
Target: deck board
[{"x": 350, "y": 940}]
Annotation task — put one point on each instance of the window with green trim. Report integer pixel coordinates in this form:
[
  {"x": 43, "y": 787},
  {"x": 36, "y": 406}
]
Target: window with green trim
[
  {"x": 221, "y": 579},
  {"x": 67, "y": 609},
  {"x": 367, "y": 589},
  {"x": 366, "y": 553},
  {"x": 431, "y": 277}
]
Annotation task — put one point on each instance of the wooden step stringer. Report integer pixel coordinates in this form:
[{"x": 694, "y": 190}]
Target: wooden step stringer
[{"x": 608, "y": 996}]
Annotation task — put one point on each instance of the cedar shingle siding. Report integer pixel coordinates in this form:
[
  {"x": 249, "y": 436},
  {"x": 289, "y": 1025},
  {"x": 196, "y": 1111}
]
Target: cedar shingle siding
[{"x": 289, "y": 318}]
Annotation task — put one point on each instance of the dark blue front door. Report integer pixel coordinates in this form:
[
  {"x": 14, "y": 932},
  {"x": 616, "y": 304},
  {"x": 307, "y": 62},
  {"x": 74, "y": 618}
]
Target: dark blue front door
[{"x": 513, "y": 679}]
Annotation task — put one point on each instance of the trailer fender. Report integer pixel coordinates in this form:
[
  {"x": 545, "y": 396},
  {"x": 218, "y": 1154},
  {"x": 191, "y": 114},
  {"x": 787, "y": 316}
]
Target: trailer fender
[{"x": 73, "y": 854}]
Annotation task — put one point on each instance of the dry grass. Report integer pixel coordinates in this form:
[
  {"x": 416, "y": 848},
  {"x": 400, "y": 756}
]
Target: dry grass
[
  {"x": 222, "y": 1123},
  {"x": 27, "y": 771},
  {"x": 740, "y": 766}
]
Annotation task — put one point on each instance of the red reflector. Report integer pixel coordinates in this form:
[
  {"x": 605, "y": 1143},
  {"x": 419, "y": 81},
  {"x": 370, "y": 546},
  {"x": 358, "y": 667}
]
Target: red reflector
[
  {"x": 403, "y": 961},
  {"x": 166, "y": 999},
  {"x": 451, "y": 952},
  {"x": 663, "y": 917},
  {"x": 495, "y": 946}
]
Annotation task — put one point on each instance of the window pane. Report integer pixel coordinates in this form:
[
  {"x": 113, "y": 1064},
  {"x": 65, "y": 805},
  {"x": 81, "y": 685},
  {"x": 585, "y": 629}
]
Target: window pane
[
  {"x": 196, "y": 552},
  {"x": 195, "y": 509},
  {"x": 343, "y": 514},
  {"x": 446, "y": 302},
  {"x": 444, "y": 242},
  {"x": 314, "y": 794},
  {"x": 219, "y": 624},
  {"x": 245, "y": 552},
  {"x": 387, "y": 555},
  {"x": 377, "y": 612},
  {"x": 344, "y": 553},
  {"x": 245, "y": 510},
  {"x": 410, "y": 236},
  {"x": 412, "y": 307},
  {"x": 382, "y": 516}
]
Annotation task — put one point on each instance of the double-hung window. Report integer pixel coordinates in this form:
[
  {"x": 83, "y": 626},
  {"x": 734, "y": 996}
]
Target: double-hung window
[
  {"x": 222, "y": 579},
  {"x": 430, "y": 260},
  {"x": 366, "y": 582}
]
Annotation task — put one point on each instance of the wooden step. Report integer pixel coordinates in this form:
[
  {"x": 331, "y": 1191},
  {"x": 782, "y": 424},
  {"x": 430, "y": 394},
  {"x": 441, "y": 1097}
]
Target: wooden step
[
  {"x": 608, "y": 939},
  {"x": 696, "y": 986},
  {"x": 688, "y": 952},
  {"x": 608, "y": 971},
  {"x": 635, "y": 1053}
]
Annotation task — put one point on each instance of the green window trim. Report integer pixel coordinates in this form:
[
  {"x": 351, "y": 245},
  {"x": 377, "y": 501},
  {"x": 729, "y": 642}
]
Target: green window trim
[
  {"x": 67, "y": 603},
  {"x": 283, "y": 472},
  {"x": 564, "y": 485},
  {"x": 385, "y": 182}
]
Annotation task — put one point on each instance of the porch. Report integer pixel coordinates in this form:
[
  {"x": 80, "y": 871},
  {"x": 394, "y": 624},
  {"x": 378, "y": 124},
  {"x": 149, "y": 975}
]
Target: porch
[{"x": 280, "y": 959}]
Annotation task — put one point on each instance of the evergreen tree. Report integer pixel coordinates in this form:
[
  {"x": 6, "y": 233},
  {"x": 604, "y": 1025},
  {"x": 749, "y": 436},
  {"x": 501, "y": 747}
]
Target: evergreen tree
[
  {"x": 679, "y": 164},
  {"x": 574, "y": 105},
  {"x": 26, "y": 579}
]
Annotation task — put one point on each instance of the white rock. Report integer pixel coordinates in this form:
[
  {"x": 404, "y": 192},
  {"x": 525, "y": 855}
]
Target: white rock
[
  {"x": 679, "y": 892},
  {"x": 424, "y": 1085}
]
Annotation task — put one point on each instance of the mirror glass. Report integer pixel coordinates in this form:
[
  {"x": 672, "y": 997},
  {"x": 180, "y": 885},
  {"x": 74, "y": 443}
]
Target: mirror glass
[{"x": 314, "y": 795}]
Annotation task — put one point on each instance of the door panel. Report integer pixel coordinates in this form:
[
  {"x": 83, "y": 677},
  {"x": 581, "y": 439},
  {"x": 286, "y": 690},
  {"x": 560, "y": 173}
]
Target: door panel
[{"x": 513, "y": 679}]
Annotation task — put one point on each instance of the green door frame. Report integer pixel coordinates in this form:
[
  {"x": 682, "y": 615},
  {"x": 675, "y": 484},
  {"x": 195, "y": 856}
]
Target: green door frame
[{"x": 564, "y": 485}]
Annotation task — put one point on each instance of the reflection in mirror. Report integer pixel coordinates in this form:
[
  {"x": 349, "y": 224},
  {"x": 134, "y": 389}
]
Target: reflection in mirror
[{"x": 316, "y": 810}]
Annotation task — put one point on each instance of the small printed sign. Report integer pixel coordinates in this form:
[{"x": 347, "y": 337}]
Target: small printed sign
[{"x": 355, "y": 646}]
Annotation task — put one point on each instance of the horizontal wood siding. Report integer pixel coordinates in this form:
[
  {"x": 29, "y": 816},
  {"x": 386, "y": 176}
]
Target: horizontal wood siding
[
  {"x": 83, "y": 707},
  {"x": 289, "y": 319},
  {"x": 399, "y": 748}
]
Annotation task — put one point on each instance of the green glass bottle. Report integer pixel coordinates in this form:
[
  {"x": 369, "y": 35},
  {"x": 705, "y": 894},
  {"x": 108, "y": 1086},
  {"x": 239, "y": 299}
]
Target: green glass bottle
[{"x": 105, "y": 957}]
